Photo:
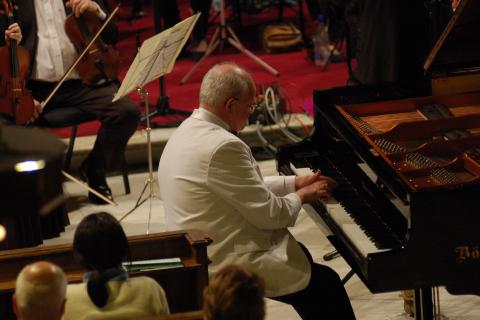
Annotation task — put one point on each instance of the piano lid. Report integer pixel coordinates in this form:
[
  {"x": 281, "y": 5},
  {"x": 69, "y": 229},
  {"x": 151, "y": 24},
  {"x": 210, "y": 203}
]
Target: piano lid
[{"x": 457, "y": 51}]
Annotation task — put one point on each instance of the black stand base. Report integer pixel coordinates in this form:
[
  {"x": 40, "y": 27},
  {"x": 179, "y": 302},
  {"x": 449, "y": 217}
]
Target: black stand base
[{"x": 163, "y": 109}]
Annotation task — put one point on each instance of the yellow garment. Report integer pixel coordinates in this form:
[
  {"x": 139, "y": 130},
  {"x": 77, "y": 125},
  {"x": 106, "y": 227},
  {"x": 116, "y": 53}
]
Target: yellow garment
[{"x": 133, "y": 298}]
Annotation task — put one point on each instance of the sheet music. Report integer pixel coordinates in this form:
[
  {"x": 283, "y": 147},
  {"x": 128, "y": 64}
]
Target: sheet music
[{"x": 156, "y": 56}]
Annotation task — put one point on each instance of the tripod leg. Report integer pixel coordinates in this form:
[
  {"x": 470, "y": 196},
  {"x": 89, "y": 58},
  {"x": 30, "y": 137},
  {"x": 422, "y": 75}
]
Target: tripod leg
[
  {"x": 233, "y": 35},
  {"x": 139, "y": 202},
  {"x": 248, "y": 53},
  {"x": 211, "y": 47}
]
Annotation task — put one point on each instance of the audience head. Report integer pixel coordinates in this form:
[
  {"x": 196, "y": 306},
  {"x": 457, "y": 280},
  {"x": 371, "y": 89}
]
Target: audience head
[
  {"x": 40, "y": 292},
  {"x": 228, "y": 91},
  {"x": 234, "y": 294},
  {"x": 100, "y": 244}
]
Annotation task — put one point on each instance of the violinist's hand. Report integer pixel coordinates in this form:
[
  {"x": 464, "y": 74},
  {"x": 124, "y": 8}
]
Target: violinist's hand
[
  {"x": 13, "y": 32},
  {"x": 37, "y": 110},
  {"x": 80, "y": 6},
  {"x": 455, "y": 4}
]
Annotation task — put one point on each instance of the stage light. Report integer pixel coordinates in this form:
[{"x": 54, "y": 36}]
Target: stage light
[
  {"x": 3, "y": 233},
  {"x": 30, "y": 165}
]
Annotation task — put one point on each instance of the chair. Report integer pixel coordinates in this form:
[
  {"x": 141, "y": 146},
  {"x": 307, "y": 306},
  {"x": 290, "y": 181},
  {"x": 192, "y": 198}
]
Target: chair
[{"x": 72, "y": 117}]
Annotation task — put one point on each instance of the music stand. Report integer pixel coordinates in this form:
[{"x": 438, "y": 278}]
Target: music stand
[
  {"x": 224, "y": 33},
  {"x": 162, "y": 108},
  {"x": 155, "y": 58}
]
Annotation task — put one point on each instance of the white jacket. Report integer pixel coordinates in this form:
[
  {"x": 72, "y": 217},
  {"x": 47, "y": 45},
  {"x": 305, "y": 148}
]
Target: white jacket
[{"x": 209, "y": 180}]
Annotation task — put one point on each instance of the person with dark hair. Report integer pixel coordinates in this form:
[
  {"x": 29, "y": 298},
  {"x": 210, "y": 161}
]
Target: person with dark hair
[
  {"x": 100, "y": 244},
  {"x": 234, "y": 294}
]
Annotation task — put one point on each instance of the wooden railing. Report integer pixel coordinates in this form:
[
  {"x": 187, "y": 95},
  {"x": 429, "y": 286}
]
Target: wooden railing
[{"x": 183, "y": 286}]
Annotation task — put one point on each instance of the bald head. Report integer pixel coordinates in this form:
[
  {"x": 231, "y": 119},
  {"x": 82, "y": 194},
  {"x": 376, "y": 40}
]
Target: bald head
[
  {"x": 223, "y": 81},
  {"x": 40, "y": 292}
]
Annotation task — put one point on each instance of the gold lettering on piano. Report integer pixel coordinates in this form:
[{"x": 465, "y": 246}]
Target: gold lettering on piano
[{"x": 464, "y": 253}]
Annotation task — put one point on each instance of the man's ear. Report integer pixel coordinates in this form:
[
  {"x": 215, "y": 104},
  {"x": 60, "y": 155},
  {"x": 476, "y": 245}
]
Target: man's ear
[
  {"x": 62, "y": 309},
  {"x": 15, "y": 307},
  {"x": 229, "y": 104}
]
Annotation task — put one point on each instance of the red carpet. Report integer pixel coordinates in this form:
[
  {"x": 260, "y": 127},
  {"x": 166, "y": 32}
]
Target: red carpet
[{"x": 298, "y": 75}]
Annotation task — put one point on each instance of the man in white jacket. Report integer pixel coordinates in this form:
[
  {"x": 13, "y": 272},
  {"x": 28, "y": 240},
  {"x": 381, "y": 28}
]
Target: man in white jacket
[{"x": 209, "y": 180}]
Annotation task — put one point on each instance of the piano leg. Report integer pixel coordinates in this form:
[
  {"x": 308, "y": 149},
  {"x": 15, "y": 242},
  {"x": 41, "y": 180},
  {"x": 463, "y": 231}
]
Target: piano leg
[
  {"x": 423, "y": 304},
  {"x": 333, "y": 254},
  {"x": 348, "y": 276}
]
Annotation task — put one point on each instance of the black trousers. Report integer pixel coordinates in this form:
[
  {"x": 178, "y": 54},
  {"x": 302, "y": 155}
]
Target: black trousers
[
  {"x": 323, "y": 298},
  {"x": 119, "y": 119}
]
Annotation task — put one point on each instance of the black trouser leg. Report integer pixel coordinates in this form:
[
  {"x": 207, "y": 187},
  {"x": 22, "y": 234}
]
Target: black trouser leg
[
  {"x": 323, "y": 298},
  {"x": 119, "y": 119}
]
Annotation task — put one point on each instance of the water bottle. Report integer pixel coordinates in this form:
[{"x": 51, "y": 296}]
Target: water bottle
[
  {"x": 217, "y": 5},
  {"x": 321, "y": 52}
]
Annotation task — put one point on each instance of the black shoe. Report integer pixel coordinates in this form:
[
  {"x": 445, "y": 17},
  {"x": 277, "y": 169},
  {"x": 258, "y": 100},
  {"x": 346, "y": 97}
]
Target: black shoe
[{"x": 96, "y": 180}]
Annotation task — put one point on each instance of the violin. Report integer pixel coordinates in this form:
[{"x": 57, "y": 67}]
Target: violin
[
  {"x": 101, "y": 63},
  {"x": 15, "y": 100},
  {"x": 80, "y": 58}
]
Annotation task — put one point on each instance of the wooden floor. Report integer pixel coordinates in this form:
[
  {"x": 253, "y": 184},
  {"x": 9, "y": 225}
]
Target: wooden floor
[{"x": 367, "y": 306}]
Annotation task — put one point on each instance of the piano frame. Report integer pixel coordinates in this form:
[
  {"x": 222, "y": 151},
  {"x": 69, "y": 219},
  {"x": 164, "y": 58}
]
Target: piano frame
[{"x": 433, "y": 215}]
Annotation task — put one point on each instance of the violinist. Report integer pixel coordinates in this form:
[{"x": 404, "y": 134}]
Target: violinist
[{"x": 51, "y": 54}]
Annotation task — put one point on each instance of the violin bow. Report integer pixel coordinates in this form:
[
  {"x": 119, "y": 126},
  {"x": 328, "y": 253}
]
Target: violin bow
[{"x": 74, "y": 64}]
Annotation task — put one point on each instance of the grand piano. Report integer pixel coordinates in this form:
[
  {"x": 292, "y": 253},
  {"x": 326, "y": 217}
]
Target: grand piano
[{"x": 406, "y": 212}]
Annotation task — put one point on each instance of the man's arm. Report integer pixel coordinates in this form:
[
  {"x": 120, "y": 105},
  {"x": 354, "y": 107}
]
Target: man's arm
[
  {"x": 283, "y": 185},
  {"x": 232, "y": 177},
  {"x": 280, "y": 185},
  {"x": 110, "y": 33}
]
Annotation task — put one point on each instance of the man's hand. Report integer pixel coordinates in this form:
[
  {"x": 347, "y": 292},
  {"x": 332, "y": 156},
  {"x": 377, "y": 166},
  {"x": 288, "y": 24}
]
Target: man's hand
[
  {"x": 37, "y": 110},
  {"x": 13, "y": 33},
  {"x": 314, "y": 187},
  {"x": 303, "y": 181},
  {"x": 80, "y": 6}
]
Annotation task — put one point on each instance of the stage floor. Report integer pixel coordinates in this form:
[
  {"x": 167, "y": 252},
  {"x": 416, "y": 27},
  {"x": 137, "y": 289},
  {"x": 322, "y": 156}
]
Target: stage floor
[{"x": 367, "y": 306}]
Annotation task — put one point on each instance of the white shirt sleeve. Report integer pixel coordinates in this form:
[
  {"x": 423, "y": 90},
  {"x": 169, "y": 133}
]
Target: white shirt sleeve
[
  {"x": 232, "y": 176},
  {"x": 280, "y": 185}
]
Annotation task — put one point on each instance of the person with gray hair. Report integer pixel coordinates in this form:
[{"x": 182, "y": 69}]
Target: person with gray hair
[
  {"x": 210, "y": 180},
  {"x": 40, "y": 292}
]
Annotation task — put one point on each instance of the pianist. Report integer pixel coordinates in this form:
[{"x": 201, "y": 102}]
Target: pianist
[{"x": 210, "y": 180}]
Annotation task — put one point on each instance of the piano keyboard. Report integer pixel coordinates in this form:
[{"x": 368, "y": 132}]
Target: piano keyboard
[{"x": 358, "y": 235}]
